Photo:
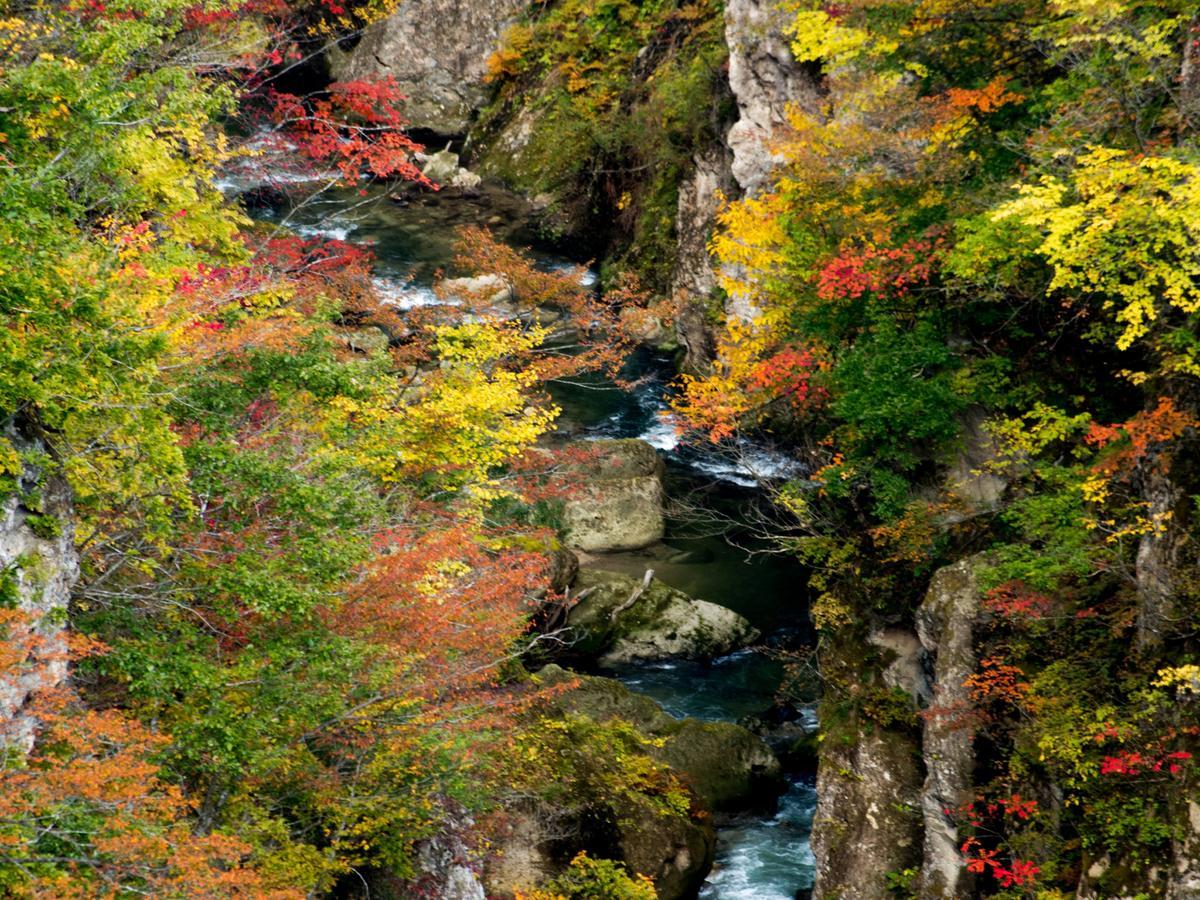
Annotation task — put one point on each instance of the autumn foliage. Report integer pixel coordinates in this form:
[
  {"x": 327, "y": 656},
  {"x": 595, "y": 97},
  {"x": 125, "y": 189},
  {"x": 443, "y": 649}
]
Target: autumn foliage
[{"x": 304, "y": 580}]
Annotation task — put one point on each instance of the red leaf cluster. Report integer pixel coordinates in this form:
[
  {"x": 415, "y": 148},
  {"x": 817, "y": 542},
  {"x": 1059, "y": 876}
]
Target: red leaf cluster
[{"x": 871, "y": 270}]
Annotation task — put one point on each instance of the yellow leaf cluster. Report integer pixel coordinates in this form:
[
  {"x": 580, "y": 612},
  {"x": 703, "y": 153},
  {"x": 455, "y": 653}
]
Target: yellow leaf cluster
[{"x": 1120, "y": 229}]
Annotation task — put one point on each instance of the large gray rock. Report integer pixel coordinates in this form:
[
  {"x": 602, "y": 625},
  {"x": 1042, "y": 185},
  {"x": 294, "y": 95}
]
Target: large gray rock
[
  {"x": 694, "y": 280},
  {"x": 729, "y": 767},
  {"x": 443, "y": 169},
  {"x": 867, "y": 818},
  {"x": 494, "y": 289},
  {"x": 765, "y": 81},
  {"x": 947, "y": 621},
  {"x": 619, "y": 501},
  {"x": 38, "y": 568},
  {"x": 437, "y": 52},
  {"x": 662, "y": 623}
]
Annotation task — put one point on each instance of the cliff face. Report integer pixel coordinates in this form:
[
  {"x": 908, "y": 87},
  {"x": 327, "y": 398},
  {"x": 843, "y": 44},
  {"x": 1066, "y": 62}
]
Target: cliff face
[
  {"x": 866, "y": 825},
  {"x": 437, "y": 52},
  {"x": 38, "y": 567},
  {"x": 665, "y": 215},
  {"x": 947, "y": 623},
  {"x": 694, "y": 278},
  {"x": 889, "y": 796},
  {"x": 884, "y": 790},
  {"x": 765, "y": 80}
]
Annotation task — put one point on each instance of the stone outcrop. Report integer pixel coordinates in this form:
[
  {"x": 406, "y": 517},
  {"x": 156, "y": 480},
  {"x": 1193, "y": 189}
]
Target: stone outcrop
[
  {"x": 969, "y": 478},
  {"x": 619, "y": 501},
  {"x": 660, "y": 623},
  {"x": 765, "y": 80},
  {"x": 947, "y": 622},
  {"x": 694, "y": 280},
  {"x": 1159, "y": 551},
  {"x": 729, "y": 768},
  {"x": 867, "y": 821},
  {"x": 437, "y": 52},
  {"x": 519, "y": 856},
  {"x": 1183, "y": 881},
  {"x": 905, "y": 666},
  {"x": 38, "y": 568}
]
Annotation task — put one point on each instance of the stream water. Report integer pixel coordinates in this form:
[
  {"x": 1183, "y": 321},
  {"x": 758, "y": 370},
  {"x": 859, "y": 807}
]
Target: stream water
[{"x": 760, "y": 856}]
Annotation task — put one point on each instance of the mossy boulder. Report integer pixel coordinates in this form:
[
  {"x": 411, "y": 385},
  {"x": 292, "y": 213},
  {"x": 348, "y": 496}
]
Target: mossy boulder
[
  {"x": 661, "y": 623},
  {"x": 729, "y": 768},
  {"x": 673, "y": 851},
  {"x": 619, "y": 502}
]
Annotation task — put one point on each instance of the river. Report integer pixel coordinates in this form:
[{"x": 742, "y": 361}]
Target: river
[{"x": 762, "y": 856}]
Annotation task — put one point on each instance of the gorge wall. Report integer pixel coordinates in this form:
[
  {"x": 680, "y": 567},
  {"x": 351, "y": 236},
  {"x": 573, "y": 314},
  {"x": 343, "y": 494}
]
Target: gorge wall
[
  {"x": 892, "y": 782},
  {"x": 440, "y": 69},
  {"x": 645, "y": 201},
  {"x": 38, "y": 568}
]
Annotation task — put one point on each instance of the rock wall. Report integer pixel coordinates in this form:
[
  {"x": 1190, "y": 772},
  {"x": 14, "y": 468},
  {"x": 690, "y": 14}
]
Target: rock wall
[
  {"x": 946, "y": 623},
  {"x": 38, "y": 568},
  {"x": 437, "y": 52},
  {"x": 765, "y": 81},
  {"x": 882, "y": 791},
  {"x": 694, "y": 280},
  {"x": 867, "y": 822}
]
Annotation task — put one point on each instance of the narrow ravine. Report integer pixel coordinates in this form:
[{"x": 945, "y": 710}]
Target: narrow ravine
[{"x": 763, "y": 855}]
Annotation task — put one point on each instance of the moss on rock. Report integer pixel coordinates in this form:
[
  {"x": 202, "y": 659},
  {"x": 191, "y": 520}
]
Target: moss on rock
[{"x": 661, "y": 623}]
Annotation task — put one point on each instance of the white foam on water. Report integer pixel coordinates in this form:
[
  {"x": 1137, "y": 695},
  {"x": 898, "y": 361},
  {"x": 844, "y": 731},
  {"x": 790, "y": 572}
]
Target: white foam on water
[
  {"x": 587, "y": 277},
  {"x": 327, "y": 230},
  {"x": 662, "y": 433},
  {"x": 770, "y": 859},
  {"x": 745, "y": 464},
  {"x": 273, "y": 161},
  {"x": 404, "y": 295}
]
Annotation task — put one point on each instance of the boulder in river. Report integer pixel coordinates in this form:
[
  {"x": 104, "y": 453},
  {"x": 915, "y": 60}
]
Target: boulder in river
[
  {"x": 443, "y": 169},
  {"x": 619, "y": 501},
  {"x": 495, "y": 289},
  {"x": 620, "y": 620},
  {"x": 729, "y": 768}
]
